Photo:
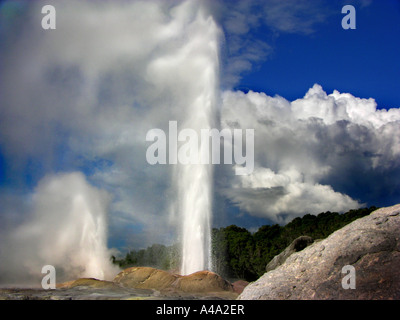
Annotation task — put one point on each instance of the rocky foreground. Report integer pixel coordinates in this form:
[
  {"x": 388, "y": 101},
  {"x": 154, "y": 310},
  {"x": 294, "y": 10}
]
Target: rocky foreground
[
  {"x": 361, "y": 261},
  {"x": 136, "y": 283}
]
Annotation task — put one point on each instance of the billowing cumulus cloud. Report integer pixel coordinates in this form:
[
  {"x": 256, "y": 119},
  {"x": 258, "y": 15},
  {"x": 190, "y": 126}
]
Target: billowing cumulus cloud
[{"x": 310, "y": 153}]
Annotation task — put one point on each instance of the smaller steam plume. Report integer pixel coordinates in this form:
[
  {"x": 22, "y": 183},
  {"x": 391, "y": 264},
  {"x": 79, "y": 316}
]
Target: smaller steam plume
[{"x": 67, "y": 229}]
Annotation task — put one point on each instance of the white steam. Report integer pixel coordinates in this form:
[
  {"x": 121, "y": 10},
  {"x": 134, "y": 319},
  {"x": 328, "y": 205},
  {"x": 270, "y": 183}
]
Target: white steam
[
  {"x": 67, "y": 229},
  {"x": 111, "y": 71}
]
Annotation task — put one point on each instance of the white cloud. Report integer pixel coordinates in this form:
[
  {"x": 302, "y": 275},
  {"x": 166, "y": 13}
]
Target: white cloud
[
  {"x": 342, "y": 106},
  {"x": 241, "y": 20},
  {"x": 294, "y": 16},
  {"x": 306, "y": 147},
  {"x": 283, "y": 196}
]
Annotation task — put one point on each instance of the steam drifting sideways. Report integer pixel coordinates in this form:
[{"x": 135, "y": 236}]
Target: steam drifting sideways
[{"x": 77, "y": 102}]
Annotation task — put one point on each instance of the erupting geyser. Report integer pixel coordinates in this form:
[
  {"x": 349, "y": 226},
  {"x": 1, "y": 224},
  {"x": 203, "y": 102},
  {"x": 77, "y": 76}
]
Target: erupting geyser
[
  {"x": 194, "y": 181},
  {"x": 131, "y": 66},
  {"x": 67, "y": 229}
]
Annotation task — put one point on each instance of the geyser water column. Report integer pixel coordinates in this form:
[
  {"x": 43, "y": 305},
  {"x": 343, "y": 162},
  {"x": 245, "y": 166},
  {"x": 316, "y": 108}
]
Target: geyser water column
[
  {"x": 194, "y": 181},
  {"x": 183, "y": 77}
]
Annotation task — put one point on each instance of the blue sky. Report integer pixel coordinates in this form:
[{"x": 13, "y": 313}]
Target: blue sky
[
  {"x": 363, "y": 61},
  {"x": 316, "y": 49},
  {"x": 81, "y": 99}
]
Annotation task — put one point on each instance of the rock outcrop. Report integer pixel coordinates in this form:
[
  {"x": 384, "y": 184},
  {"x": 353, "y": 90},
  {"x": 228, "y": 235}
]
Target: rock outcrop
[
  {"x": 203, "y": 281},
  {"x": 150, "y": 278},
  {"x": 145, "y": 278},
  {"x": 297, "y": 245},
  {"x": 239, "y": 285},
  {"x": 370, "y": 244},
  {"x": 138, "y": 283}
]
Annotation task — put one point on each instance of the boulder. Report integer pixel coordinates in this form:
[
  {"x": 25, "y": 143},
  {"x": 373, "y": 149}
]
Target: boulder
[
  {"x": 203, "y": 281},
  {"x": 145, "y": 278},
  {"x": 150, "y": 278},
  {"x": 370, "y": 244},
  {"x": 239, "y": 285},
  {"x": 297, "y": 245}
]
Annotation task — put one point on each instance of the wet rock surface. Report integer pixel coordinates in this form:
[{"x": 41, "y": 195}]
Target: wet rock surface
[
  {"x": 89, "y": 293},
  {"x": 137, "y": 283},
  {"x": 76, "y": 293}
]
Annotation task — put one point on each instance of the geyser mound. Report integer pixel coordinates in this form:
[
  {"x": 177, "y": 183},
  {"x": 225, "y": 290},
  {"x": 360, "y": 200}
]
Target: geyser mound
[{"x": 151, "y": 278}]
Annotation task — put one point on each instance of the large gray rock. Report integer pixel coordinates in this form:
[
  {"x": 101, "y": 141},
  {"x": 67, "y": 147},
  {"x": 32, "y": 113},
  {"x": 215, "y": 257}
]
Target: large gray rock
[{"x": 370, "y": 244}]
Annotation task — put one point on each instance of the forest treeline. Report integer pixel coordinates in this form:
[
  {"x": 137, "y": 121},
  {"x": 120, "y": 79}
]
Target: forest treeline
[{"x": 239, "y": 254}]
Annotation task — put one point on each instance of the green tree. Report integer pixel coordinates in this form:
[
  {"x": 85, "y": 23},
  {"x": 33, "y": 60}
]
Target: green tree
[{"x": 237, "y": 253}]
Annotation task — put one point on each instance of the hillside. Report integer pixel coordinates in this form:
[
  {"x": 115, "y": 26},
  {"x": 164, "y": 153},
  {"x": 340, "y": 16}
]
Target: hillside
[{"x": 238, "y": 253}]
